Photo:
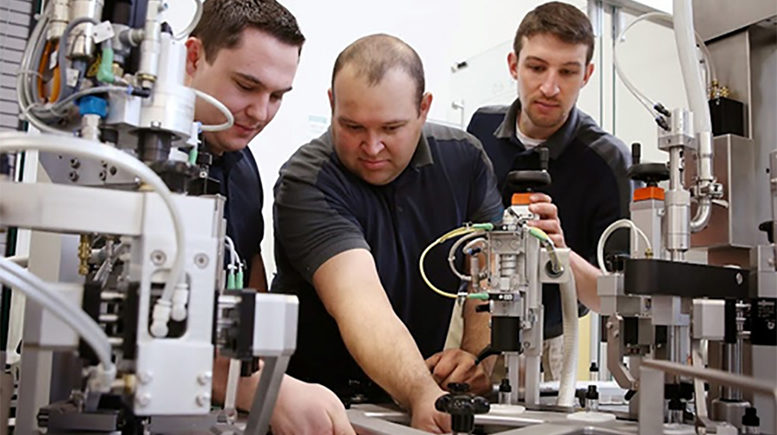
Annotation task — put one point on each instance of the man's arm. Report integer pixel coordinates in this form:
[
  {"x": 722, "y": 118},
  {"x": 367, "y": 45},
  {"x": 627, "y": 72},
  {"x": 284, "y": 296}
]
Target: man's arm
[
  {"x": 258, "y": 278},
  {"x": 350, "y": 289}
]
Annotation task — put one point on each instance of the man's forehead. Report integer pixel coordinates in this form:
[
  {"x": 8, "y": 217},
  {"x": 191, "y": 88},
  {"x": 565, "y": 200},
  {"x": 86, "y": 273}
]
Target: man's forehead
[{"x": 550, "y": 48}]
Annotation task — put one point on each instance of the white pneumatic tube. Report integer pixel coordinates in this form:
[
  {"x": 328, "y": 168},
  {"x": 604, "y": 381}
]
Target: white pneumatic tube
[
  {"x": 697, "y": 97},
  {"x": 566, "y": 389}
]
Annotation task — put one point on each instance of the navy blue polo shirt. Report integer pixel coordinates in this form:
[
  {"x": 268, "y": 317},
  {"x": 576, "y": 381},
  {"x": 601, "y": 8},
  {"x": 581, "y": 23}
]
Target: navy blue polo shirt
[
  {"x": 240, "y": 183},
  {"x": 322, "y": 209},
  {"x": 589, "y": 183}
]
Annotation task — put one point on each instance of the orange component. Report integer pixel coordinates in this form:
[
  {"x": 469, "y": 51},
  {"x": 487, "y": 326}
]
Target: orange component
[
  {"x": 48, "y": 50},
  {"x": 520, "y": 199},
  {"x": 651, "y": 192}
]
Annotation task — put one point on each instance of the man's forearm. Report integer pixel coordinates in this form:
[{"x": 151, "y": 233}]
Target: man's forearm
[
  {"x": 477, "y": 332},
  {"x": 585, "y": 281},
  {"x": 388, "y": 355}
]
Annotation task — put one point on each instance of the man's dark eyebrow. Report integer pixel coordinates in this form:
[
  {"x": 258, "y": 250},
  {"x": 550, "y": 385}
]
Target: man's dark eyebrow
[
  {"x": 539, "y": 59},
  {"x": 249, "y": 78},
  {"x": 256, "y": 81}
]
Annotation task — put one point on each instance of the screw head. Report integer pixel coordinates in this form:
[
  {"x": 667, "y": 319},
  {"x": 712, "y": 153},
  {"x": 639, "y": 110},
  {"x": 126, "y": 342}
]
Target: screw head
[
  {"x": 143, "y": 399},
  {"x": 204, "y": 378},
  {"x": 201, "y": 260},
  {"x": 73, "y": 176},
  {"x": 158, "y": 257},
  {"x": 203, "y": 399},
  {"x": 145, "y": 377}
]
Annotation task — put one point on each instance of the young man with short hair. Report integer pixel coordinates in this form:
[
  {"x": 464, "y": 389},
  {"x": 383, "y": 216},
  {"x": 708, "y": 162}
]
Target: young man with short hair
[
  {"x": 551, "y": 62},
  {"x": 245, "y": 54}
]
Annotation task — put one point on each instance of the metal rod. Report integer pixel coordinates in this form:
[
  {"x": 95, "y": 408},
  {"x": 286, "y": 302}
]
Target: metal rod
[{"x": 760, "y": 386}]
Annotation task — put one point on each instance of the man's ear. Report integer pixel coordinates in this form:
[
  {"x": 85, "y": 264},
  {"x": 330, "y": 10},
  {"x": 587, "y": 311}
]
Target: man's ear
[
  {"x": 426, "y": 103},
  {"x": 195, "y": 54},
  {"x": 589, "y": 71},
  {"x": 331, "y": 96},
  {"x": 512, "y": 64}
]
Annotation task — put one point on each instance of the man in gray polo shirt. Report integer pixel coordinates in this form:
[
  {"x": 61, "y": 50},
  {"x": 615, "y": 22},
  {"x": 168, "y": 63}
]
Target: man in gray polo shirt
[{"x": 354, "y": 209}]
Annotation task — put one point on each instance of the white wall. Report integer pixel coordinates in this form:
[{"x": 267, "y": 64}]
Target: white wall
[{"x": 444, "y": 32}]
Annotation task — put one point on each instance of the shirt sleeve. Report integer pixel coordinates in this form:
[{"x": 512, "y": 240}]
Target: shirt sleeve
[
  {"x": 313, "y": 222},
  {"x": 485, "y": 200}
]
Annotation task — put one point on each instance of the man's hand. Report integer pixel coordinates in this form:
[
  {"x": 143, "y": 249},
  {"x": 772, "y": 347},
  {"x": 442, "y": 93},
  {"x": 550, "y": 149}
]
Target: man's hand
[
  {"x": 456, "y": 365},
  {"x": 304, "y": 408},
  {"x": 541, "y": 205},
  {"x": 424, "y": 416}
]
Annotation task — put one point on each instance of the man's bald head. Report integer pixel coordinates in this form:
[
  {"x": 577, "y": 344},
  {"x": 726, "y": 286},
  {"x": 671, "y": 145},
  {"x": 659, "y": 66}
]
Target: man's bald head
[{"x": 371, "y": 57}]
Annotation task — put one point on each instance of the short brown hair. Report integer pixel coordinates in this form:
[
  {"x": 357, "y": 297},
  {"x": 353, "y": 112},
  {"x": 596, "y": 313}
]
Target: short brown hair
[
  {"x": 562, "y": 20},
  {"x": 374, "y": 55},
  {"x": 223, "y": 22}
]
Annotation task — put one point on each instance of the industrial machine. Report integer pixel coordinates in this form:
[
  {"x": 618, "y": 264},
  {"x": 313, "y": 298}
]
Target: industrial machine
[
  {"x": 689, "y": 314},
  {"x": 129, "y": 293}
]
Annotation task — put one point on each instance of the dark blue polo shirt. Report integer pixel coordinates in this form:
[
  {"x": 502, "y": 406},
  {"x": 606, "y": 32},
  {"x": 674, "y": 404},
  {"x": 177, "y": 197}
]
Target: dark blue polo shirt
[
  {"x": 589, "y": 183},
  {"x": 240, "y": 183},
  {"x": 322, "y": 209}
]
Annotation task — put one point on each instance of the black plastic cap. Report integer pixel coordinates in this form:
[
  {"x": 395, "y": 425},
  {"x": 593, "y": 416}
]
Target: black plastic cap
[
  {"x": 504, "y": 386},
  {"x": 593, "y": 367},
  {"x": 592, "y": 393},
  {"x": 751, "y": 418}
]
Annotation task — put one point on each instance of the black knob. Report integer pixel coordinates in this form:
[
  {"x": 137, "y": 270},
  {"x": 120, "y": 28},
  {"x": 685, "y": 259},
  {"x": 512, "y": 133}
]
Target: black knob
[
  {"x": 650, "y": 173},
  {"x": 462, "y": 407},
  {"x": 592, "y": 394},
  {"x": 768, "y": 228},
  {"x": 458, "y": 387},
  {"x": 636, "y": 153},
  {"x": 544, "y": 155},
  {"x": 525, "y": 181}
]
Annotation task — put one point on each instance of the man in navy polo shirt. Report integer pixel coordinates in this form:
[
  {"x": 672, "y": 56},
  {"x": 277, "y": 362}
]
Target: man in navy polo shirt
[
  {"x": 354, "y": 209},
  {"x": 245, "y": 53},
  {"x": 552, "y": 62}
]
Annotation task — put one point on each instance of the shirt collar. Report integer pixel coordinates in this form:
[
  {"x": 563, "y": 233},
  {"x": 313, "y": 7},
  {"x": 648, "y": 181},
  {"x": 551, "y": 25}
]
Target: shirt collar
[
  {"x": 556, "y": 143},
  {"x": 423, "y": 154}
]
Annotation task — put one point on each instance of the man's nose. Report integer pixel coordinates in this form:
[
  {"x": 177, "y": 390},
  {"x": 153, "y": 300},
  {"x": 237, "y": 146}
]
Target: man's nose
[
  {"x": 259, "y": 109},
  {"x": 550, "y": 86},
  {"x": 372, "y": 144}
]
